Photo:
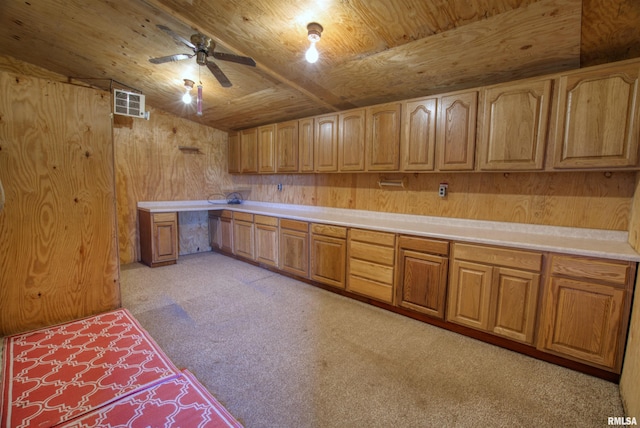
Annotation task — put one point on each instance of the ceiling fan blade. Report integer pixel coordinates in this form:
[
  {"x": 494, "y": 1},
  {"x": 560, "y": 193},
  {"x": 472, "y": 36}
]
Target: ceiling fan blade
[
  {"x": 218, "y": 74},
  {"x": 176, "y": 37},
  {"x": 234, "y": 58},
  {"x": 170, "y": 58}
]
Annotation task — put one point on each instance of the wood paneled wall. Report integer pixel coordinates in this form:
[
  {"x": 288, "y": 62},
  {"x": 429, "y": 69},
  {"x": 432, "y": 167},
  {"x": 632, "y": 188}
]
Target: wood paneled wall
[
  {"x": 151, "y": 167},
  {"x": 576, "y": 199},
  {"x": 58, "y": 252}
]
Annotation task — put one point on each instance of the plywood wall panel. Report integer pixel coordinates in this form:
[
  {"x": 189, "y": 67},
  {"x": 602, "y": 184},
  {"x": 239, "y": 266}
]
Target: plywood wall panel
[{"x": 58, "y": 253}]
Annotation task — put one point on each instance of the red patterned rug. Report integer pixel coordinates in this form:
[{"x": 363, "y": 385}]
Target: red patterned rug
[
  {"x": 177, "y": 402},
  {"x": 58, "y": 373}
]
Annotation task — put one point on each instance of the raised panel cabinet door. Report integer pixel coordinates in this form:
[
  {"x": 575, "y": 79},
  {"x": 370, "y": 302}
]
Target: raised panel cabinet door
[
  {"x": 249, "y": 150},
  {"x": 514, "y": 126},
  {"x": 351, "y": 135},
  {"x": 422, "y": 282},
  {"x": 456, "y": 132},
  {"x": 266, "y": 244},
  {"x": 165, "y": 240},
  {"x": 243, "y": 239},
  {"x": 287, "y": 146},
  {"x": 305, "y": 143},
  {"x": 294, "y": 252},
  {"x": 583, "y": 321},
  {"x": 469, "y": 296},
  {"x": 328, "y": 260},
  {"x": 418, "y": 135},
  {"x": 515, "y": 304},
  {"x": 383, "y": 137},
  {"x": 325, "y": 143},
  {"x": 267, "y": 148},
  {"x": 226, "y": 235},
  {"x": 596, "y": 125},
  {"x": 233, "y": 160}
]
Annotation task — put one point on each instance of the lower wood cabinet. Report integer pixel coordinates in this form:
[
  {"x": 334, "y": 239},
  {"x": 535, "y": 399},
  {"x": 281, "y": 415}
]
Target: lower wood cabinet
[
  {"x": 243, "y": 226},
  {"x": 221, "y": 230},
  {"x": 158, "y": 238},
  {"x": 422, "y": 275},
  {"x": 328, "y": 254},
  {"x": 266, "y": 240},
  {"x": 371, "y": 264},
  {"x": 495, "y": 290},
  {"x": 586, "y": 309},
  {"x": 294, "y": 247}
]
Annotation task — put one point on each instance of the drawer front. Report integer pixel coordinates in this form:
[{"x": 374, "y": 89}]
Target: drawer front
[
  {"x": 160, "y": 217},
  {"x": 329, "y": 230},
  {"x": 506, "y": 257},
  {"x": 376, "y": 290},
  {"x": 425, "y": 245},
  {"x": 266, "y": 220},
  {"x": 226, "y": 214},
  {"x": 243, "y": 216},
  {"x": 380, "y": 238},
  {"x": 609, "y": 271},
  {"x": 372, "y": 271},
  {"x": 301, "y": 226},
  {"x": 372, "y": 253}
]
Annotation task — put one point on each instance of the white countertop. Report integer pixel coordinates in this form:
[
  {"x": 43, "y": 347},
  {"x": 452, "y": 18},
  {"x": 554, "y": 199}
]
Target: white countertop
[{"x": 570, "y": 240}]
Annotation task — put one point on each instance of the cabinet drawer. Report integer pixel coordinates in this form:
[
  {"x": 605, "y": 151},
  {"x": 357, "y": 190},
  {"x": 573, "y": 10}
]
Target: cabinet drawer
[
  {"x": 160, "y": 217},
  {"x": 243, "y": 216},
  {"x": 425, "y": 245},
  {"x": 301, "y": 226},
  {"x": 609, "y": 271},
  {"x": 221, "y": 214},
  {"x": 266, "y": 220},
  {"x": 506, "y": 257},
  {"x": 372, "y": 289},
  {"x": 371, "y": 252},
  {"x": 327, "y": 230},
  {"x": 372, "y": 271},
  {"x": 380, "y": 238}
]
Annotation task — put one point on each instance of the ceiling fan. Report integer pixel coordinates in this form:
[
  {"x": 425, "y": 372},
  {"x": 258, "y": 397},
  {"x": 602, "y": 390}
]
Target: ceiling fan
[{"x": 202, "y": 47}]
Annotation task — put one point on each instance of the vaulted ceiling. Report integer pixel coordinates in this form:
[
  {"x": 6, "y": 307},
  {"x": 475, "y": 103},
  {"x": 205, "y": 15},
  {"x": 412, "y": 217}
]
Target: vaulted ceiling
[{"x": 371, "y": 51}]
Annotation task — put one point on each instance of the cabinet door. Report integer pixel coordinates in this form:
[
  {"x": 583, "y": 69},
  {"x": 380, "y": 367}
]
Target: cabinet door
[
  {"x": 383, "y": 137},
  {"x": 215, "y": 239},
  {"x": 351, "y": 134},
  {"x": 266, "y": 243},
  {"x": 326, "y": 143},
  {"x": 226, "y": 235},
  {"x": 583, "y": 320},
  {"x": 470, "y": 294},
  {"x": 249, "y": 150},
  {"x": 165, "y": 237},
  {"x": 294, "y": 247},
  {"x": 243, "y": 239},
  {"x": 418, "y": 137},
  {"x": 514, "y": 126},
  {"x": 328, "y": 260},
  {"x": 456, "y": 132},
  {"x": 515, "y": 304},
  {"x": 234, "y": 153},
  {"x": 305, "y": 141},
  {"x": 267, "y": 148},
  {"x": 596, "y": 125},
  {"x": 287, "y": 146},
  {"x": 422, "y": 282}
]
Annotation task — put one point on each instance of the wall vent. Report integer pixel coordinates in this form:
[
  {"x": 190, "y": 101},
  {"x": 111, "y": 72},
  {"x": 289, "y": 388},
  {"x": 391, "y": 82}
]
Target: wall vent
[{"x": 128, "y": 103}]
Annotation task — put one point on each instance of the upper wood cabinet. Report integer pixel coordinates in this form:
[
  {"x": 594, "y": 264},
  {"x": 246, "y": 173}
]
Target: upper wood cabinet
[
  {"x": 249, "y": 150},
  {"x": 287, "y": 146},
  {"x": 267, "y": 148},
  {"x": 456, "y": 131},
  {"x": 514, "y": 121},
  {"x": 383, "y": 137},
  {"x": 596, "y": 121},
  {"x": 418, "y": 135},
  {"x": 305, "y": 144},
  {"x": 326, "y": 143},
  {"x": 351, "y": 138},
  {"x": 234, "y": 153}
]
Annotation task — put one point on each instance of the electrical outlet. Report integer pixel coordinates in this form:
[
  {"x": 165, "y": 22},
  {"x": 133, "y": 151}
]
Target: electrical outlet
[
  {"x": 442, "y": 190},
  {"x": 279, "y": 187}
]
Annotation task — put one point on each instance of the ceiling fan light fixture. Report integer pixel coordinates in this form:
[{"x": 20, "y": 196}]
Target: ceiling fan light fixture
[
  {"x": 314, "y": 32},
  {"x": 188, "y": 84}
]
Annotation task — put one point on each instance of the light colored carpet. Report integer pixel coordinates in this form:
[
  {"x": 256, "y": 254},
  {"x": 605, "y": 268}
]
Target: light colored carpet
[{"x": 281, "y": 353}]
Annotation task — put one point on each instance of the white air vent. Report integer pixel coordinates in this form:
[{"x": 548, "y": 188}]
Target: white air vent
[{"x": 128, "y": 103}]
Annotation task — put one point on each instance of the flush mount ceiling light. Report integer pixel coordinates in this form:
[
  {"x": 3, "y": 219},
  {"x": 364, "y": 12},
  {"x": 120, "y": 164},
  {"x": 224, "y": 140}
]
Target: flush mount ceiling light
[
  {"x": 188, "y": 84},
  {"x": 314, "y": 32}
]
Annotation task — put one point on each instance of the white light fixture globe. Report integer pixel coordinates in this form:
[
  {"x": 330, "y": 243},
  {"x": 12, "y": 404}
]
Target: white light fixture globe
[
  {"x": 314, "y": 31},
  {"x": 186, "y": 98},
  {"x": 188, "y": 84},
  {"x": 312, "y": 54}
]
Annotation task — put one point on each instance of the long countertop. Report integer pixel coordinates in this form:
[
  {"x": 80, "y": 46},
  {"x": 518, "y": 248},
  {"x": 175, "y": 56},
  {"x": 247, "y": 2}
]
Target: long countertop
[{"x": 570, "y": 240}]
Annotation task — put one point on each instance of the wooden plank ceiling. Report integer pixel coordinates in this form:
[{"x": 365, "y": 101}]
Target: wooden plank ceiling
[{"x": 371, "y": 51}]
